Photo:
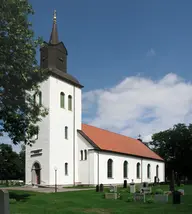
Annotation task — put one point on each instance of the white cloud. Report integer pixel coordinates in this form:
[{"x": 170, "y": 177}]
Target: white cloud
[
  {"x": 137, "y": 105},
  {"x": 151, "y": 52},
  {"x": 140, "y": 105}
]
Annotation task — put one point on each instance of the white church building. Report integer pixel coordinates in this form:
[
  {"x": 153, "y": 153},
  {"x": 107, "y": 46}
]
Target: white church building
[{"x": 71, "y": 153}]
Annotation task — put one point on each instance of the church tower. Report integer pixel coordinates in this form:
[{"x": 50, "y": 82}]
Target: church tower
[{"x": 55, "y": 150}]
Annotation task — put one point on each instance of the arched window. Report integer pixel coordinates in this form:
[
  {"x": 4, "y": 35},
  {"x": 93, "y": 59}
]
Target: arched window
[
  {"x": 66, "y": 132},
  {"x": 40, "y": 98},
  {"x": 70, "y": 102},
  {"x": 85, "y": 151},
  {"x": 157, "y": 171},
  {"x": 66, "y": 168},
  {"x": 81, "y": 154},
  {"x": 148, "y": 171},
  {"x": 138, "y": 170},
  {"x": 109, "y": 168},
  {"x": 125, "y": 169},
  {"x": 62, "y": 100}
]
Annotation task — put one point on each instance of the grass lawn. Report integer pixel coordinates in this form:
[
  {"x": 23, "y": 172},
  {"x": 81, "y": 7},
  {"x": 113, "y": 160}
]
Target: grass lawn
[{"x": 89, "y": 201}]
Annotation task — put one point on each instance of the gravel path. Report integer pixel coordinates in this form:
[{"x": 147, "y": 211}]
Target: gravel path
[{"x": 45, "y": 190}]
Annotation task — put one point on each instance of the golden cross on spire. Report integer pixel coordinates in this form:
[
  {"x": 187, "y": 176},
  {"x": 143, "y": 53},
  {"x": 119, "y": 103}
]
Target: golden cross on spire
[{"x": 55, "y": 16}]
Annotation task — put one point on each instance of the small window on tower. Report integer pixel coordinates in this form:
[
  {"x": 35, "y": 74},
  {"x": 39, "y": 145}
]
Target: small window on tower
[
  {"x": 66, "y": 168},
  {"x": 85, "y": 151},
  {"x": 70, "y": 103},
  {"x": 66, "y": 132},
  {"x": 62, "y": 100},
  {"x": 81, "y": 154}
]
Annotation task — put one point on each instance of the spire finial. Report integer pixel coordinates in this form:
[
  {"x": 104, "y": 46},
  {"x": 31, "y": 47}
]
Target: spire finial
[
  {"x": 55, "y": 16},
  {"x": 54, "y": 39}
]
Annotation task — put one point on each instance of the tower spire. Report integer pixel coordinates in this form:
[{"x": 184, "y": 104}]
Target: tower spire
[{"x": 54, "y": 39}]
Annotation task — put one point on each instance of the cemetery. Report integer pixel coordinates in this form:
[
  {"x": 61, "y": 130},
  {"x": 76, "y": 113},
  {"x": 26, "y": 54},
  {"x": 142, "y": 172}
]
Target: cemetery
[
  {"x": 101, "y": 199},
  {"x": 63, "y": 165}
]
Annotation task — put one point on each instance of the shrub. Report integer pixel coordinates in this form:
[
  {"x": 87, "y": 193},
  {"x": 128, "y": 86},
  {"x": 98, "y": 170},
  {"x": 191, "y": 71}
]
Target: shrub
[
  {"x": 182, "y": 185},
  {"x": 12, "y": 201},
  {"x": 159, "y": 191},
  {"x": 130, "y": 199},
  {"x": 150, "y": 201},
  {"x": 119, "y": 196}
]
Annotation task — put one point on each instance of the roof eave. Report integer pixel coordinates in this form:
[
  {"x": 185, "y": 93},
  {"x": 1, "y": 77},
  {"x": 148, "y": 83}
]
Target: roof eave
[
  {"x": 65, "y": 79},
  {"x": 88, "y": 139},
  {"x": 150, "y": 158}
]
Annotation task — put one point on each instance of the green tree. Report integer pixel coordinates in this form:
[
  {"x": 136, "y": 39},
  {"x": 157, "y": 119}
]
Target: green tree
[
  {"x": 20, "y": 74},
  {"x": 10, "y": 163},
  {"x": 175, "y": 146}
]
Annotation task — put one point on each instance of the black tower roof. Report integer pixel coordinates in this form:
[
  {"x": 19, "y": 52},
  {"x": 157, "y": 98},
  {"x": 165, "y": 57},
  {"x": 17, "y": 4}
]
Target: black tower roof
[{"x": 54, "y": 57}]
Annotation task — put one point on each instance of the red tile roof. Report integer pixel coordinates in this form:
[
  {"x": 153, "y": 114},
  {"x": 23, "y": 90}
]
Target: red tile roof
[{"x": 114, "y": 142}]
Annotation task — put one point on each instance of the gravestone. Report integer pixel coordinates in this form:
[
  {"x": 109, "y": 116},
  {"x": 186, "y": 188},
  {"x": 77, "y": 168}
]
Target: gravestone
[
  {"x": 146, "y": 190},
  {"x": 181, "y": 191},
  {"x": 101, "y": 188},
  {"x": 4, "y": 202},
  {"x": 176, "y": 197},
  {"x": 139, "y": 197},
  {"x": 125, "y": 184},
  {"x": 113, "y": 189},
  {"x": 111, "y": 195},
  {"x": 145, "y": 184},
  {"x": 97, "y": 188},
  {"x": 161, "y": 198},
  {"x": 155, "y": 180},
  {"x": 132, "y": 187}
]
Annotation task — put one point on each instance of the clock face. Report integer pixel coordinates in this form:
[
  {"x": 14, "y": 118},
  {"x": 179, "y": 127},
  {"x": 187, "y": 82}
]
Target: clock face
[{"x": 61, "y": 60}]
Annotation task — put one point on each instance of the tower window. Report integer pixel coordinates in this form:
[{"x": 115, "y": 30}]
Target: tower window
[
  {"x": 62, "y": 100},
  {"x": 70, "y": 103},
  {"x": 66, "y": 132},
  {"x": 85, "y": 152},
  {"x": 66, "y": 168},
  {"x": 81, "y": 154}
]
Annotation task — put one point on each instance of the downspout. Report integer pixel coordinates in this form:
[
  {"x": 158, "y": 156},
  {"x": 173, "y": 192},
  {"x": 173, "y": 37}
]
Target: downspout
[
  {"x": 88, "y": 159},
  {"x": 74, "y": 131},
  {"x": 141, "y": 170},
  {"x": 98, "y": 168}
]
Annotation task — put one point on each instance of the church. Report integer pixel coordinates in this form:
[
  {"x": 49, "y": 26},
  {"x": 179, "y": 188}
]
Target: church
[{"x": 68, "y": 152}]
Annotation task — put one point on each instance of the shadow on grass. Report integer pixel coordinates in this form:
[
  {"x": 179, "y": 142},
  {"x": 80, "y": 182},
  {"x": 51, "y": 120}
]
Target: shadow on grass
[{"x": 19, "y": 196}]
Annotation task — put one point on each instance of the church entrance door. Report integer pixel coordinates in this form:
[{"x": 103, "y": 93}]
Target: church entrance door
[{"x": 36, "y": 173}]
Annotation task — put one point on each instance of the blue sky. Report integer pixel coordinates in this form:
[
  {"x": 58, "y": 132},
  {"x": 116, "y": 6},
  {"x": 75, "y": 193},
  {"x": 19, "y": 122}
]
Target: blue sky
[
  {"x": 139, "y": 51},
  {"x": 108, "y": 40}
]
